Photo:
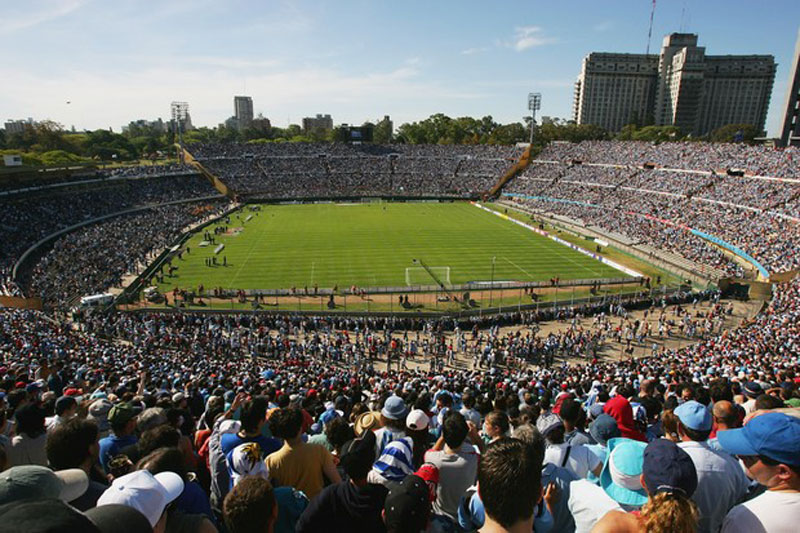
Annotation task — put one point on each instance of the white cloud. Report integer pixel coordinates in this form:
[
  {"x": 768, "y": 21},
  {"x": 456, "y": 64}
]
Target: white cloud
[
  {"x": 603, "y": 26},
  {"x": 529, "y": 37},
  {"x": 475, "y": 51},
  {"x": 36, "y": 13}
]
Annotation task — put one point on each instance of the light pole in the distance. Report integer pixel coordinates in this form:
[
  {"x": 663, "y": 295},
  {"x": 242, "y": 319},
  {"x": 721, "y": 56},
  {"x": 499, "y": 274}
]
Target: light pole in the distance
[{"x": 534, "y": 104}]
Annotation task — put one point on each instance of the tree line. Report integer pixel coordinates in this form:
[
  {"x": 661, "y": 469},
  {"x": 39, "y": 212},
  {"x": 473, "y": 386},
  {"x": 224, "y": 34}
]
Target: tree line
[{"x": 48, "y": 143}]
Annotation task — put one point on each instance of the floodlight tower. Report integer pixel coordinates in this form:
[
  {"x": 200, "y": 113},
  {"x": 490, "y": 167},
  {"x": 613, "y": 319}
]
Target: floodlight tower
[
  {"x": 179, "y": 111},
  {"x": 534, "y": 104}
]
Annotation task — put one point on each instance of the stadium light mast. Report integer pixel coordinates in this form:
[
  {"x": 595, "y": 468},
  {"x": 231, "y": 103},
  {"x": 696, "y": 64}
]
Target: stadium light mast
[
  {"x": 179, "y": 112},
  {"x": 534, "y": 104}
]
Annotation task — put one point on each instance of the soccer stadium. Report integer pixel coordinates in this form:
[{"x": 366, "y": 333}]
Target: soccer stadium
[{"x": 252, "y": 328}]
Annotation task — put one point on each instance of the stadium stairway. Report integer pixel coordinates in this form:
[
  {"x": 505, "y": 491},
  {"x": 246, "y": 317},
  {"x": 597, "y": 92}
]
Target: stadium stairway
[
  {"x": 515, "y": 170},
  {"x": 217, "y": 183}
]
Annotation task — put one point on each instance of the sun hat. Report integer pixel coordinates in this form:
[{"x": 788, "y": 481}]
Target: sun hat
[
  {"x": 39, "y": 482},
  {"x": 147, "y": 493},
  {"x": 773, "y": 435},
  {"x": 368, "y": 421},
  {"x": 417, "y": 420},
  {"x": 621, "y": 471},
  {"x": 604, "y": 428},
  {"x": 407, "y": 506},
  {"x": 668, "y": 468},
  {"x": 394, "y": 408},
  {"x": 245, "y": 460},
  {"x": 694, "y": 415}
]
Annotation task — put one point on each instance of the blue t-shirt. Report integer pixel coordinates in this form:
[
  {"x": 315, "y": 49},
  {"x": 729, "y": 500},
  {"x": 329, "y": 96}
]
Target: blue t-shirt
[{"x": 111, "y": 446}]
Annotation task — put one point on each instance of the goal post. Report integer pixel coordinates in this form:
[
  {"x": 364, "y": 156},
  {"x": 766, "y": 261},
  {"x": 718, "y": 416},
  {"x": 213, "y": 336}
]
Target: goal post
[{"x": 434, "y": 275}]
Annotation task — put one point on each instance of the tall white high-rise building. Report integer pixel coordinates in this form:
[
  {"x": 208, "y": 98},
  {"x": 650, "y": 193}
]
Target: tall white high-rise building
[
  {"x": 790, "y": 131},
  {"x": 243, "y": 111},
  {"x": 682, "y": 86}
]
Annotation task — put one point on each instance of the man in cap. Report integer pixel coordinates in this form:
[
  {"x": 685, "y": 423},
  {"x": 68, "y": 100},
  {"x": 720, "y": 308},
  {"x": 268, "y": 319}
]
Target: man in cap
[
  {"x": 39, "y": 482},
  {"x": 66, "y": 408},
  {"x": 352, "y": 505},
  {"x": 721, "y": 484},
  {"x": 752, "y": 390},
  {"x": 575, "y": 458},
  {"x": 408, "y": 506},
  {"x": 147, "y": 493},
  {"x": 769, "y": 447},
  {"x": 122, "y": 419}
]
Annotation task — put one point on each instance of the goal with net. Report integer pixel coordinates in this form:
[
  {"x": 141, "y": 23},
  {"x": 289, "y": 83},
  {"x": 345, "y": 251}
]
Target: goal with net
[{"x": 432, "y": 275}]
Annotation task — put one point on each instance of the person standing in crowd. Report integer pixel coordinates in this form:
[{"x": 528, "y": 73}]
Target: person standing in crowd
[
  {"x": 769, "y": 447},
  {"x": 354, "y": 505},
  {"x": 721, "y": 484},
  {"x": 509, "y": 484},
  {"x": 122, "y": 419},
  {"x": 74, "y": 444},
  {"x": 250, "y": 507},
  {"x": 393, "y": 423},
  {"x": 575, "y": 458},
  {"x": 669, "y": 479},
  {"x": 299, "y": 464},
  {"x": 28, "y": 445},
  {"x": 457, "y": 462}
]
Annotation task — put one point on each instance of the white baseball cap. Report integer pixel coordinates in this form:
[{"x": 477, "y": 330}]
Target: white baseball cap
[
  {"x": 417, "y": 420},
  {"x": 145, "y": 492}
]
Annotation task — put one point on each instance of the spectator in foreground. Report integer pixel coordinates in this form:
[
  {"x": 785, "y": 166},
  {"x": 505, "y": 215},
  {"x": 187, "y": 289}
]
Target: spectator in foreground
[
  {"x": 769, "y": 447},
  {"x": 721, "y": 484},
  {"x": 250, "y": 507},
  {"x": 458, "y": 465},
  {"x": 146, "y": 493},
  {"x": 353, "y": 505},
  {"x": 28, "y": 446},
  {"x": 670, "y": 479},
  {"x": 509, "y": 484},
  {"x": 408, "y": 506},
  {"x": 122, "y": 419},
  {"x": 298, "y": 464}
]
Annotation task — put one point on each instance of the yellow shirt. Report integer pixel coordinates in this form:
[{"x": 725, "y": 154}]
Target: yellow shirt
[{"x": 299, "y": 467}]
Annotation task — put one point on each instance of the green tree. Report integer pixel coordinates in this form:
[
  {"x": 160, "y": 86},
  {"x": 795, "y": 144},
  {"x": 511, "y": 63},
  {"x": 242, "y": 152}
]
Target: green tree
[
  {"x": 733, "y": 133},
  {"x": 383, "y": 132}
]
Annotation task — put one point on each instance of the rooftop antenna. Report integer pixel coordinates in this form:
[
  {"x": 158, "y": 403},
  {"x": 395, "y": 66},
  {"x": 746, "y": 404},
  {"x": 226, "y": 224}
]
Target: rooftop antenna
[
  {"x": 650, "y": 29},
  {"x": 683, "y": 18}
]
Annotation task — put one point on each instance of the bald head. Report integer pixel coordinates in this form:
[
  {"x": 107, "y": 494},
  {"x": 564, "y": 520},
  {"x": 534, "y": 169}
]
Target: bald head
[{"x": 725, "y": 415}]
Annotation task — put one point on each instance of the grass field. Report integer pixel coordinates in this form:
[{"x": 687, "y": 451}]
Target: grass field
[{"x": 371, "y": 245}]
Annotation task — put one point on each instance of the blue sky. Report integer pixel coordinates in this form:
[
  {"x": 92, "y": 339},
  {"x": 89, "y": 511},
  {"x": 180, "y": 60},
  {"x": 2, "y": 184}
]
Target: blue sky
[{"x": 119, "y": 60}]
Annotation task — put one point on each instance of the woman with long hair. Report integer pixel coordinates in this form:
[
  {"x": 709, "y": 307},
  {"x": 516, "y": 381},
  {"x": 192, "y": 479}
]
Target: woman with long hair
[{"x": 670, "y": 479}]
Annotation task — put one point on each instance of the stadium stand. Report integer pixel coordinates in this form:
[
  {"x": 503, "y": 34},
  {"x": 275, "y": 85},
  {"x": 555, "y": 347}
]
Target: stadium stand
[{"x": 235, "y": 421}]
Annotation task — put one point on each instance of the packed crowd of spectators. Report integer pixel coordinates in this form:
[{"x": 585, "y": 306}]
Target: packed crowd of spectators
[
  {"x": 756, "y": 160},
  {"x": 29, "y": 218},
  {"x": 96, "y": 257},
  {"x": 184, "y": 422},
  {"x": 658, "y": 207},
  {"x": 292, "y": 170}
]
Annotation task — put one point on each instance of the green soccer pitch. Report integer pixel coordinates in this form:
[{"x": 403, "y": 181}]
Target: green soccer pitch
[{"x": 372, "y": 245}]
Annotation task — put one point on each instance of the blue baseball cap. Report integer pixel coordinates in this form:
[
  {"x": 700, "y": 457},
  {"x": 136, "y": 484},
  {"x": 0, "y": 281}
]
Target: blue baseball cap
[
  {"x": 620, "y": 478},
  {"x": 668, "y": 468},
  {"x": 773, "y": 435},
  {"x": 694, "y": 415}
]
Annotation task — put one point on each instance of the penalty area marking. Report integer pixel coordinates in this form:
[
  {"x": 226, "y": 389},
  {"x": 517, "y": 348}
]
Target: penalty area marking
[{"x": 519, "y": 267}]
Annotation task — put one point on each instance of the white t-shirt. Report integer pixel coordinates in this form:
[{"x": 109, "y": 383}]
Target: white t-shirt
[
  {"x": 580, "y": 462},
  {"x": 772, "y": 512},
  {"x": 588, "y": 503}
]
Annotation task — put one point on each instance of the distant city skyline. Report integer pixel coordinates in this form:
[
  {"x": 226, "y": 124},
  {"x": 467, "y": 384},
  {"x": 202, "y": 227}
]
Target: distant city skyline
[{"x": 93, "y": 64}]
